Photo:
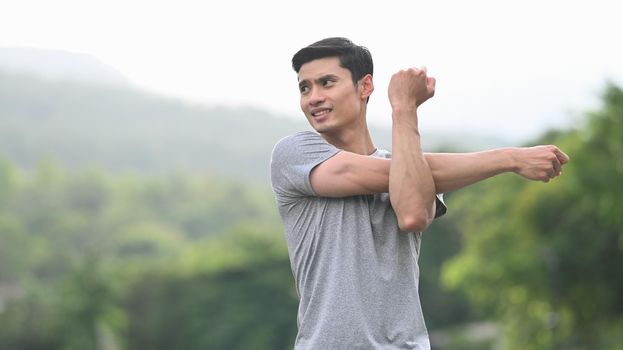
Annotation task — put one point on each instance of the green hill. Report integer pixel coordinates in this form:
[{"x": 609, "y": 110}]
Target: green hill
[
  {"x": 122, "y": 129},
  {"x": 82, "y": 125}
]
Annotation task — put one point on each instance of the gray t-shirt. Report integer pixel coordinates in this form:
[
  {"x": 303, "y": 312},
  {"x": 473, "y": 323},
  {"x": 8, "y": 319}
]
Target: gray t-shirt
[{"x": 356, "y": 273}]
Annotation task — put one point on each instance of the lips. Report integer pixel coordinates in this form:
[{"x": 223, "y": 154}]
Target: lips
[{"x": 319, "y": 113}]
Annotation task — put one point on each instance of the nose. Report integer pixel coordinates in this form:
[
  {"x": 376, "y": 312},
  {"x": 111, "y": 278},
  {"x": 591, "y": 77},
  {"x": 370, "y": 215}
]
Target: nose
[{"x": 316, "y": 97}]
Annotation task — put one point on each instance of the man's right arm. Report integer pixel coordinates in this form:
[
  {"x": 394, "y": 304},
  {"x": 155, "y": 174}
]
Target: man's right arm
[
  {"x": 407, "y": 177},
  {"x": 411, "y": 184}
]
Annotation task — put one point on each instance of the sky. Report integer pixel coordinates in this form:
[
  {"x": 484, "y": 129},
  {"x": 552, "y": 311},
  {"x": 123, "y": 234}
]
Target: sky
[{"x": 507, "y": 69}]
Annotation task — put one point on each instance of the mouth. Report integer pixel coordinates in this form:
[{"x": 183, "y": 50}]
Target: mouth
[{"x": 320, "y": 113}]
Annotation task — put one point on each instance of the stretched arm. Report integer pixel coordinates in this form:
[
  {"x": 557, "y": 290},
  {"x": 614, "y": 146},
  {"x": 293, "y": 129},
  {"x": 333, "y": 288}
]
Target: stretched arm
[
  {"x": 349, "y": 174},
  {"x": 452, "y": 171}
]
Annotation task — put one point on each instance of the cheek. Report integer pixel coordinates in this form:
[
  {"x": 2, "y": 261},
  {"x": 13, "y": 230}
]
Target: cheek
[
  {"x": 348, "y": 97},
  {"x": 348, "y": 102}
]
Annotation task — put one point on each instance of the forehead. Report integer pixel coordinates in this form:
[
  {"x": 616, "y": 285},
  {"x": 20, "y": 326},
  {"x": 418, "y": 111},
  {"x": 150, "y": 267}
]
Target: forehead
[{"x": 321, "y": 67}]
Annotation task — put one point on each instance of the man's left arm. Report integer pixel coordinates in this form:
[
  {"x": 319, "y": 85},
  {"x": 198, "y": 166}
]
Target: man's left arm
[{"x": 452, "y": 171}]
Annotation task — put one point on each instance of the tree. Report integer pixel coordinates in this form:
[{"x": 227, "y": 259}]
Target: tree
[
  {"x": 236, "y": 292},
  {"x": 546, "y": 258}
]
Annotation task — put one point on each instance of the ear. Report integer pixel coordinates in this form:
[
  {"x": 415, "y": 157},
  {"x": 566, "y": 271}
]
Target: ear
[{"x": 366, "y": 86}]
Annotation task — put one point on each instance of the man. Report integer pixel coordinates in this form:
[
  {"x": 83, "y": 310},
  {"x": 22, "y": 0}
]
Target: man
[{"x": 353, "y": 214}]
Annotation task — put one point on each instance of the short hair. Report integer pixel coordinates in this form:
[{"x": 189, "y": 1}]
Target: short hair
[{"x": 357, "y": 59}]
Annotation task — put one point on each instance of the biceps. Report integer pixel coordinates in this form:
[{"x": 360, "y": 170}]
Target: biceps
[{"x": 349, "y": 174}]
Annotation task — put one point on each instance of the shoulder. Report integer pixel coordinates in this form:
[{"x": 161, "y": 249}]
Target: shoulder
[
  {"x": 292, "y": 160},
  {"x": 299, "y": 138},
  {"x": 301, "y": 143}
]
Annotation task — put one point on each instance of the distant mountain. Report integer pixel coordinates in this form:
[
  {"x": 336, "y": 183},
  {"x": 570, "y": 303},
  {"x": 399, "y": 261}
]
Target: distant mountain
[
  {"x": 61, "y": 65},
  {"x": 86, "y": 125},
  {"x": 82, "y": 124}
]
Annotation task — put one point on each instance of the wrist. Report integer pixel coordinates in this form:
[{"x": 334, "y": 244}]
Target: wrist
[
  {"x": 405, "y": 117},
  {"x": 510, "y": 159},
  {"x": 404, "y": 110}
]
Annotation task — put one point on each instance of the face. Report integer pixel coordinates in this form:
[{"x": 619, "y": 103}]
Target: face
[{"x": 329, "y": 98}]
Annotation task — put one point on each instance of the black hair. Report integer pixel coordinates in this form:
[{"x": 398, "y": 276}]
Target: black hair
[{"x": 357, "y": 59}]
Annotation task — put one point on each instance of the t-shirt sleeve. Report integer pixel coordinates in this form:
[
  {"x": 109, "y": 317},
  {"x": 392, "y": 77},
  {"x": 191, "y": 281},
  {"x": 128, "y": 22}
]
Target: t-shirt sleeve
[
  {"x": 292, "y": 161},
  {"x": 440, "y": 206}
]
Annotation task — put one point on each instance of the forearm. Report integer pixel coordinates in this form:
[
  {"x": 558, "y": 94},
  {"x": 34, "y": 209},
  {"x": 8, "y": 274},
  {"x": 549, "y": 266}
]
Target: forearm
[
  {"x": 411, "y": 185},
  {"x": 452, "y": 171}
]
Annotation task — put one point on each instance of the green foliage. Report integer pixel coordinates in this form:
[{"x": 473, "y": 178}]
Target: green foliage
[
  {"x": 547, "y": 257},
  {"x": 442, "y": 307},
  {"x": 28, "y": 323},
  {"x": 245, "y": 301},
  {"x": 108, "y": 259},
  {"x": 77, "y": 247}
]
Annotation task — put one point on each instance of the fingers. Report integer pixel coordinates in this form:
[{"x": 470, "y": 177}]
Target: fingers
[
  {"x": 542, "y": 163},
  {"x": 557, "y": 168},
  {"x": 431, "y": 82},
  {"x": 422, "y": 71},
  {"x": 563, "y": 158},
  {"x": 559, "y": 160},
  {"x": 411, "y": 85}
]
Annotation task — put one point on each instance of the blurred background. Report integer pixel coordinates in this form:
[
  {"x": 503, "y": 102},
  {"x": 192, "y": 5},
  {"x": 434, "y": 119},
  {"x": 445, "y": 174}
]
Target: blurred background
[{"x": 135, "y": 202}]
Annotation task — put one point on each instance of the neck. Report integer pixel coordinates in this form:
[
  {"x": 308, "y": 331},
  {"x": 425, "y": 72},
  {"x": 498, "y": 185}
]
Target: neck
[{"x": 354, "y": 139}]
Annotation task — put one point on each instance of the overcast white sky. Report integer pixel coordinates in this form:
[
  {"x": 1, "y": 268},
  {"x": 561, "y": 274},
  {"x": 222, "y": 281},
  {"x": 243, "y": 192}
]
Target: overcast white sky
[{"x": 506, "y": 68}]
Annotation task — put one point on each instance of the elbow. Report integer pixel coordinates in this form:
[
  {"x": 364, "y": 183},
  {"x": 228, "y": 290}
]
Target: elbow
[{"x": 414, "y": 223}]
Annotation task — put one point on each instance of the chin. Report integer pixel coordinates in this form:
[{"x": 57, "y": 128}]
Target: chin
[
  {"x": 325, "y": 130},
  {"x": 324, "y": 127},
  {"x": 320, "y": 127},
  {"x": 316, "y": 126}
]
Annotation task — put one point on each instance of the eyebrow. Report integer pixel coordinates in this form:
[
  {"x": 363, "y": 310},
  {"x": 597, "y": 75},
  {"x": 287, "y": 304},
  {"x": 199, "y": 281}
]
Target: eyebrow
[{"x": 319, "y": 80}]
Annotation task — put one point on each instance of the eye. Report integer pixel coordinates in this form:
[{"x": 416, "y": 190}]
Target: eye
[
  {"x": 303, "y": 89},
  {"x": 328, "y": 83}
]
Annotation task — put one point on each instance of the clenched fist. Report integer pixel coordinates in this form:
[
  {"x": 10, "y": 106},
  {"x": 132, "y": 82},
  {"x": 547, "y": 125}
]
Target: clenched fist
[
  {"x": 541, "y": 163},
  {"x": 410, "y": 88}
]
